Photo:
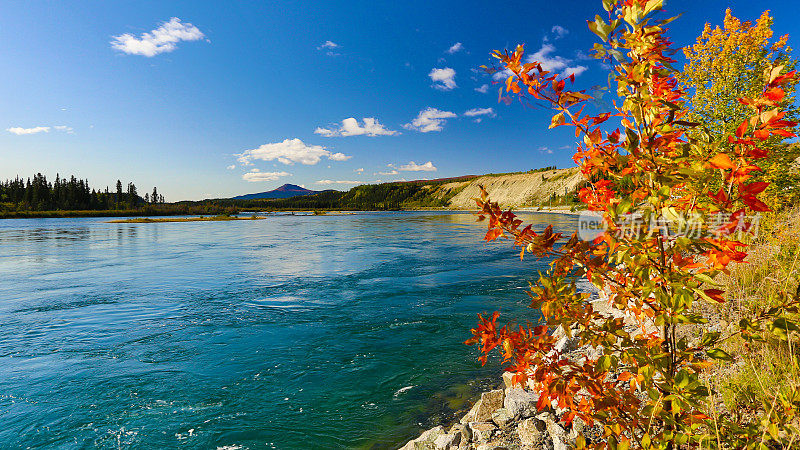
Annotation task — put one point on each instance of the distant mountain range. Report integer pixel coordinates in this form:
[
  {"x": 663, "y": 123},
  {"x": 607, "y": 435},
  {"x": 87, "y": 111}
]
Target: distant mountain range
[{"x": 285, "y": 191}]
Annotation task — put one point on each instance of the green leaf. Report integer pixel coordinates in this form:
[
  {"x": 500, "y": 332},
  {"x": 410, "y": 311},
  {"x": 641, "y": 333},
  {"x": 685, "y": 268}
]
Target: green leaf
[
  {"x": 603, "y": 364},
  {"x": 624, "y": 206},
  {"x": 709, "y": 339},
  {"x": 718, "y": 353},
  {"x": 706, "y": 279},
  {"x": 682, "y": 379}
]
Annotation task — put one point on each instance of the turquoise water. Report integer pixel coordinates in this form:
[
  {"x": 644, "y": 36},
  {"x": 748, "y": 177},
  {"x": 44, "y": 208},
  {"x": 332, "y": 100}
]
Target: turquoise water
[{"x": 289, "y": 332}]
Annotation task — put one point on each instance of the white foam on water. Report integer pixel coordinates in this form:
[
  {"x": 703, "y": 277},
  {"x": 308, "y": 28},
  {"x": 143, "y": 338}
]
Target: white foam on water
[{"x": 401, "y": 390}]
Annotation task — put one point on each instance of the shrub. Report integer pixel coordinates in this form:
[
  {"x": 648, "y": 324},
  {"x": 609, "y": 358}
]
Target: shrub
[{"x": 666, "y": 239}]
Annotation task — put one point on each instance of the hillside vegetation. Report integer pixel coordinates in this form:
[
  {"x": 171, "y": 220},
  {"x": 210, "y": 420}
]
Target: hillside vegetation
[{"x": 541, "y": 187}]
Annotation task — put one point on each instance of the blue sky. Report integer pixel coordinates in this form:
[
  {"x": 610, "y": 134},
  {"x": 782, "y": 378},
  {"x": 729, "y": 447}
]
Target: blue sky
[{"x": 244, "y": 97}]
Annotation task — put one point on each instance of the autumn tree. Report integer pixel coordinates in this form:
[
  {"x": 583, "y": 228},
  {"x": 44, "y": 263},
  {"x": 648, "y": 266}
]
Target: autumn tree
[
  {"x": 728, "y": 63},
  {"x": 640, "y": 374}
]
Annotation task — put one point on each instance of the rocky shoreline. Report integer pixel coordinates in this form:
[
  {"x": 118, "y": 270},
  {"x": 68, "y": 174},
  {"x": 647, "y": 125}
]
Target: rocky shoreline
[
  {"x": 508, "y": 418},
  {"x": 505, "y": 418}
]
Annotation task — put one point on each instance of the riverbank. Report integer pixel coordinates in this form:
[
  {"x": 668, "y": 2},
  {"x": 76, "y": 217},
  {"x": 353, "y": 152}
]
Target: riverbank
[
  {"x": 187, "y": 219},
  {"x": 148, "y": 213},
  {"x": 508, "y": 417}
]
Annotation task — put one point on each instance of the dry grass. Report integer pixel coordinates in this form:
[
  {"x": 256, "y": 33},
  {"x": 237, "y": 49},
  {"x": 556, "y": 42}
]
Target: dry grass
[{"x": 747, "y": 388}]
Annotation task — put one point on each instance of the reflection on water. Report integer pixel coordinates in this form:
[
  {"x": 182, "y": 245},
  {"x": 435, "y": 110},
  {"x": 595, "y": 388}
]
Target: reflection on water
[
  {"x": 58, "y": 235},
  {"x": 295, "y": 331}
]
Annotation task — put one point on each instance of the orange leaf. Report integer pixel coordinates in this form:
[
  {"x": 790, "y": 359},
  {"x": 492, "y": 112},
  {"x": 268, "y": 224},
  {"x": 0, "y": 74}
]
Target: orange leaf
[
  {"x": 721, "y": 161},
  {"x": 493, "y": 234}
]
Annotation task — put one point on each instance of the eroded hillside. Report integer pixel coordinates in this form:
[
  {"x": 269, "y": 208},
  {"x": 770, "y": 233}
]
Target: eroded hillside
[{"x": 512, "y": 190}]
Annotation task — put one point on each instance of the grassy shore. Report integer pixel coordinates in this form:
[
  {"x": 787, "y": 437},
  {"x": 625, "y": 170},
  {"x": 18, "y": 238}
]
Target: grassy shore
[{"x": 746, "y": 389}]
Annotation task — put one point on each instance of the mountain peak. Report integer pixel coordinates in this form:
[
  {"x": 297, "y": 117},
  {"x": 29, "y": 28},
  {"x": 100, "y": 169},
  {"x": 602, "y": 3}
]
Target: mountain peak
[
  {"x": 291, "y": 187},
  {"x": 285, "y": 191}
]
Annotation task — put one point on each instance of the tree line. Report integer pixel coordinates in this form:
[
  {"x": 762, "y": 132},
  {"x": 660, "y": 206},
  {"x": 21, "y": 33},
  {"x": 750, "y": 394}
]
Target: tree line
[{"x": 70, "y": 194}]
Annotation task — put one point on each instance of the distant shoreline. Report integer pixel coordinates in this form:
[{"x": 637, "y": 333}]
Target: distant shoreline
[
  {"x": 186, "y": 219},
  {"x": 145, "y": 214}
]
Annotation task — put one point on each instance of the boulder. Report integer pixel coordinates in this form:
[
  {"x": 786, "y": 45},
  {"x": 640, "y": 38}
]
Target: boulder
[
  {"x": 501, "y": 417},
  {"x": 555, "y": 431},
  {"x": 482, "y": 431},
  {"x": 426, "y": 440},
  {"x": 577, "y": 428},
  {"x": 507, "y": 377},
  {"x": 482, "y": 410},
  {"x": 531, "y": 432},
  {"x": 491, "y": 446},
  {"x": 448, "y": 441},
  {"x": 463, "y": 430},
  {"x": 520, "y": 403}
]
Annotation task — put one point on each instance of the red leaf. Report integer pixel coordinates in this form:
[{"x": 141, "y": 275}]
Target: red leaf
[
  {"x": 761, "y": 134},
  {"x": 742, "y": 129},
  {"x": 757, "y": 153},
  {"x": 715, "y": 294},
  {"x": 755, "y": 204},
  {"x": 720, "y": 196},
  {"x": 754, "y": 188},
  {"x": 775, "y": 94}
]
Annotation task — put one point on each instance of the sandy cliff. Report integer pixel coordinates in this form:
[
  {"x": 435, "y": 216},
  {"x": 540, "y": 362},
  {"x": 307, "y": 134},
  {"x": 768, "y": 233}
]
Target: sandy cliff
[{"x": 522, "y": 189}]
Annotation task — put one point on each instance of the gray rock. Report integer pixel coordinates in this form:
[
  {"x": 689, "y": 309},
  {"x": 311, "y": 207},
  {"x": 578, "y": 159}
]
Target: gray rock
[
  {"x": 425, "y": 441},
  {"x": 567, "y": 344},
  {"x": 502, "y": 417},
  {"x": 491, "y": 446},
  {"x": 464, "y": 431},
  {"x": 481, "y": 431},
  {"x": 482, "y": 410},
  {"x": 577, "y": 429},
  {"x": 520, "y": 403},
  {"x": 507, "y": 377},
  {"x": 448, "y": 441},
  {"x": 556, "y": 432},
  {"x": 531, "y": 432}
]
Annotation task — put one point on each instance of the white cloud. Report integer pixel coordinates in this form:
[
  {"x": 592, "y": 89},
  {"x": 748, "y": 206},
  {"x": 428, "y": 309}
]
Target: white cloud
[
  {"x": 351, "y": 127},
  {"x": 414, "y": 167},
  {"x": 549, "y": 63},
  {"x": 457, "y": 47},
  {"x": 443, "y": 79},
  {"x": 290, "y": 151},
  {"x": 576, "y": 70},
  {"x": 231, "y": 167},
  {"x": 19, "y": 131},
  {"x": 429, "y": 119},
  {"x": 161, "y": 40},
  {"x": 483, "y": 89},
  {"x": 338, "y": 157},
  {"x": 328, "y": 45},
  {"x": 559, "y": 31},
  {"x": 256, "y": 175},
  {"x": 326, "y": 182},
  {"x": 64, "y": 128},
  {"x": 391, "y": 172},
  {"x": 545, "y": 149},
  {"x": 359, "y": 170},
  {"x": 480, "y": 112}
]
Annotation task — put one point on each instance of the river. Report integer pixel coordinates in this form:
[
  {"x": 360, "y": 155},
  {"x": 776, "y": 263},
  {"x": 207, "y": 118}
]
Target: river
[{"x": 334, "y": 331}]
